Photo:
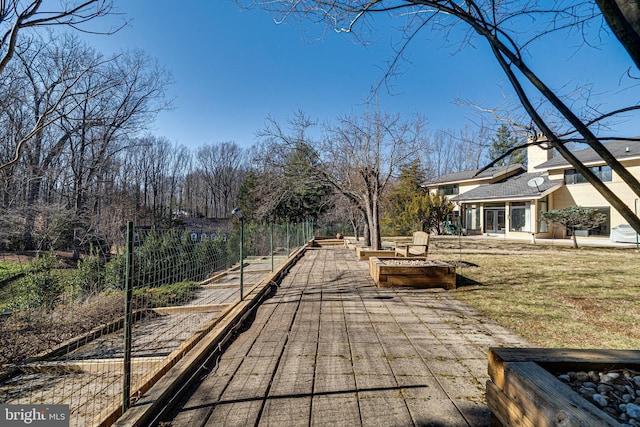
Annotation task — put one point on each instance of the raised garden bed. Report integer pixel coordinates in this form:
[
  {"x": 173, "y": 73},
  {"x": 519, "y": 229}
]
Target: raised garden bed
[
  {"x": 419, "y": 272},
  {"x": 326, "y": 241},
  {"x": 365, "y": 253},
  {"x": 533, "y": 387}
]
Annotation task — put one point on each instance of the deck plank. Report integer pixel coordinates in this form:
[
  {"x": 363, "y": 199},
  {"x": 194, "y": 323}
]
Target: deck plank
[{"x": 329, "y": 348}]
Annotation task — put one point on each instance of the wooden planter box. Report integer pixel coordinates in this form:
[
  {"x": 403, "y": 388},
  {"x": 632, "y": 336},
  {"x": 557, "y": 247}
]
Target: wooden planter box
[
  {"x": 418, "y": 272},
  {"x": 523, "y": 390},
  {"x": 365, "y": 253}
]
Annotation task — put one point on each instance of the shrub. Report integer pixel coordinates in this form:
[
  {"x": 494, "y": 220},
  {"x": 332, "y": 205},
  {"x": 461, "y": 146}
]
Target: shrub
[
  {"x": 164, "y": 296},
  {"x": 38, "y": 289},
  {"x": 90, "y": 275}
]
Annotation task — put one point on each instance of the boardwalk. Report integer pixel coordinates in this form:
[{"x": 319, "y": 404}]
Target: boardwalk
[{"x": 329, "y": 348}]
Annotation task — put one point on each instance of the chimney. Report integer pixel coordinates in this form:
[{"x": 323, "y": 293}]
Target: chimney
[{"x": 537, "y": 154}]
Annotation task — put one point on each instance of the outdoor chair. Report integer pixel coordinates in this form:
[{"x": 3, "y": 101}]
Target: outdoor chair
[{"x": 419, "y": 245}]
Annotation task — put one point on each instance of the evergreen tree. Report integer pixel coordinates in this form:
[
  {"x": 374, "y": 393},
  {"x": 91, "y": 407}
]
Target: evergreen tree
[
  {"x": 411, "y": 207},
  {"x": 429, "y": 211},
  {"x": 302, "y": 196},
  {"x": 248, "y": 199},
  {"x": 407, "y": 188},
  {"x": 503, "y": 142}
]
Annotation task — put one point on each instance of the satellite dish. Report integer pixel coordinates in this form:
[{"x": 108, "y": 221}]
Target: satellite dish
[{"x": 535, "y": 182}]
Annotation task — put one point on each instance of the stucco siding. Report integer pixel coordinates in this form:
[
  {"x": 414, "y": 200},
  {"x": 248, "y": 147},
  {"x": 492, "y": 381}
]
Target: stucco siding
[
  {"x": 556, "y": 175},
  {"x": 587, "y": 196},
  {"x": 468, "y": 187}
]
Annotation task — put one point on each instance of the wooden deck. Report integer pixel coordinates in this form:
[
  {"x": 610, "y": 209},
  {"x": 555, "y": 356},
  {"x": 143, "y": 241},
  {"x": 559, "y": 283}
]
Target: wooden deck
[{"x": 330, "y": 348}]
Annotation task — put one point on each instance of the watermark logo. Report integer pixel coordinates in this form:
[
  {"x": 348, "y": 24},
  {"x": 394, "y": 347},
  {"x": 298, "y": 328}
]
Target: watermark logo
[{"x": 34, "y": 415}]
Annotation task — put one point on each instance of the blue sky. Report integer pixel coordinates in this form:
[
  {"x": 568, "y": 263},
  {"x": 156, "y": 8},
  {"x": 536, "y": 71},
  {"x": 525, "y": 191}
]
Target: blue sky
[{"x": 232, "y": 68}]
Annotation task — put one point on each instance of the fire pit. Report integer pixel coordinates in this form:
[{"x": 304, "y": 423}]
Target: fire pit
[{"x": 412, "y": 272}]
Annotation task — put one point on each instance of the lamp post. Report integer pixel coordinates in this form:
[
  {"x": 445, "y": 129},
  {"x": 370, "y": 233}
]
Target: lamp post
[{"x": 236, "y": 212}]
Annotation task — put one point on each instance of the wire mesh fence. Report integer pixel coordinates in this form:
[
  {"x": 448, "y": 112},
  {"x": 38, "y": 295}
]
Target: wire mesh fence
[{"x": 65, "y": 337}]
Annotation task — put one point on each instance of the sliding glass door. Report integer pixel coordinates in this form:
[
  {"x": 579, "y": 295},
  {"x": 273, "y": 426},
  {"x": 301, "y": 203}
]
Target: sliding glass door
[{"x": 494, "y": 220}]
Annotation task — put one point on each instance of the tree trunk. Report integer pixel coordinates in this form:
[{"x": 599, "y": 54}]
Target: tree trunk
[
  {"x": 376, "y": 239},
  {"x": 623, "y": 17},
  {"x": 367, "y": 232},
  {"x": 33, "y": 195},
  {"x": 354, "y": 226}
]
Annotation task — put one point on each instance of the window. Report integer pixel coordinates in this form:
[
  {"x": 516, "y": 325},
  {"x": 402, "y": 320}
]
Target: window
[
  {"x": 571, "y": 176},
  {"x": 604, "y": 228},
  {"x": 472, "y": 218},
  {"x": 520, "y": 216},
  {"x": 448, "y": 190},
  {"x": 544, "y": 227},
  {"x": 605, "y": 173}
]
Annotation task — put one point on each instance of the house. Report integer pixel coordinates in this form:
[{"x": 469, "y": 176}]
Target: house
[{"x": 509, "y": 199}]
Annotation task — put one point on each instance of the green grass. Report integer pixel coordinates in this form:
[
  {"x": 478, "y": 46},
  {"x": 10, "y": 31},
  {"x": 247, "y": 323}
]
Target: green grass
[
  {"x": 165, "y": 296},
  {"x": 10, "y": 275},
  {"x": 553, "y": 296},
  {"x": 14, "y": 274},
  {"x": 10, "y": 270}
]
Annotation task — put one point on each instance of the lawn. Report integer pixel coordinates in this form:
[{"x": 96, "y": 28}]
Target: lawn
[{"x": 554, "y": 296}]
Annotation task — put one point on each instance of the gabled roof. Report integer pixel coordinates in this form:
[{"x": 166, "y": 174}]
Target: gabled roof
[
  {"x": 517, "y": 187},
  {"x": 621, "y": 150},
  {"x": 491, "y": 174}
]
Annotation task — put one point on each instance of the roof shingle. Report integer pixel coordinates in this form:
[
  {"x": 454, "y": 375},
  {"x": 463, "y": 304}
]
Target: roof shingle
[
  {"x": 514, "y": 187},
  {"x": 490, "y": 173},
  {"x": 617, "y": 147}
]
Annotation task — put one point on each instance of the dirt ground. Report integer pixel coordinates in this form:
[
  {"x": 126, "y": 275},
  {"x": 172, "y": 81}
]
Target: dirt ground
[{"x": 26, "y": 256}]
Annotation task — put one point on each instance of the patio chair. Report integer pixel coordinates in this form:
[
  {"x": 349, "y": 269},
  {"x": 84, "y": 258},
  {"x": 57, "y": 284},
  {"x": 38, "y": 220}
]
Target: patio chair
[{"x": 419, "y": 245}]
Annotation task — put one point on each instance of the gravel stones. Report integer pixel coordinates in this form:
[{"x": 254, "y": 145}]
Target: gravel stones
[
  {"x": 616, "y": 392},
  {"x": 409, "y": 261}
]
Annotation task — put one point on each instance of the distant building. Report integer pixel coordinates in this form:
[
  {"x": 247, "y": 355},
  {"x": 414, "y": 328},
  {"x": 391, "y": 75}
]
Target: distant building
[
  {"x": 180, "y": 214},
  {"x": 200, "y": 229}
]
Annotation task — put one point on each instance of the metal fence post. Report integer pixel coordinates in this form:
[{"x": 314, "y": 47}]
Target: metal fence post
[
  {"x": 288, "y": 250},
  {"x": 128, "y": 278},
  {"x": 241, "y": 258}
]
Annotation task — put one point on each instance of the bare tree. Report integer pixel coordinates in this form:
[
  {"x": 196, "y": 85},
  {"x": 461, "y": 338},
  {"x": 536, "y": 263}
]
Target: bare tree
[
  {"x": 623, "y": 16},
  {"x": 179, "y": 166},
  {"x": 472, "y": 148},
  {"x": 223, "y": 170},
  {"x": 500, "y": 25},
  {"x": 91, "y": 106},
  {"x": 152, "y": 155},
  {"x": 288, "y": 166},
  {"x": 345, "y": 214},
  {"x": 357, "y": 158},
  {"x": 115, "y": 103},
  {"x": 195, "y": 194},
  {"x": 454, "y": 151},
  {"x": 41, "y": 87},
  {"x": 17, "y": 16}
]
